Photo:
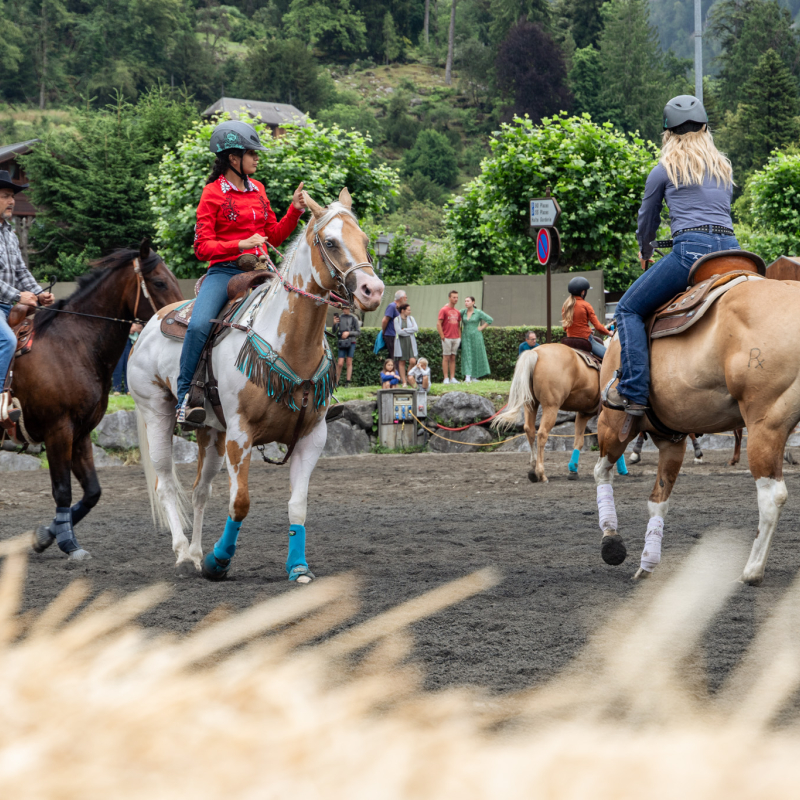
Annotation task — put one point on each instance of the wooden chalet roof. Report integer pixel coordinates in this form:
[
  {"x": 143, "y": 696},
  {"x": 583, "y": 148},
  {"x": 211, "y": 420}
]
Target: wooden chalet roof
[{"x": 273, "y": 114}]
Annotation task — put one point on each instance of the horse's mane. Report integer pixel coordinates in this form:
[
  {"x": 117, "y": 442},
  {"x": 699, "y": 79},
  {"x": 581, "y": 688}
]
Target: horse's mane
[
  {"x": 334, "y": 209},
  {"x": 88, "y": 283}
]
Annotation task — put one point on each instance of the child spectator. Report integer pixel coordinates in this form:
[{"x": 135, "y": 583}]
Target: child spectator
[
  {"x": 389, "y": 377},
  {"x": 420, "y": 375}
]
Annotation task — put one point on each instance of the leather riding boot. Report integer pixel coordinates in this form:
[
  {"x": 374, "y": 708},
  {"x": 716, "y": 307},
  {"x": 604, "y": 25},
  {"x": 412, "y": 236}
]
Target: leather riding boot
[
  {"x": 7, "y": 412},
  {"x": 614, "y": 400}
]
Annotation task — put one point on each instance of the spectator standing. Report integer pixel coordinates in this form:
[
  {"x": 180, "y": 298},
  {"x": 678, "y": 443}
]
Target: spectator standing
[
  {"x": 529, "y": 343},
  {"x": 449, "y": 327},
  {"x": 389, "y": 316},
  {"x": 120, "y": 377},
  {"x": 349, "y": 330},
  {"x": 405, "y": 343},
  {"x": 335, "y": 326},
  {"x": 420, "y": 375},
  {"x": 474, "y": 363}
]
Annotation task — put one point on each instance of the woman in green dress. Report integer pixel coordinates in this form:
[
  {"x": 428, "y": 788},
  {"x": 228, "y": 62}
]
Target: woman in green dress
[{"x": 474, "y": 363}]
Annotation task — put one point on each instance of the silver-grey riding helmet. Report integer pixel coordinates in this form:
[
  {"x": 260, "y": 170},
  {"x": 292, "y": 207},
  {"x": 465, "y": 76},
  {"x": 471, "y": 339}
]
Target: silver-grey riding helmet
[
  {"x": 234, "y": 135},
  {"x": 578, "y": 285},
  {"x": 684, "y": 114}
]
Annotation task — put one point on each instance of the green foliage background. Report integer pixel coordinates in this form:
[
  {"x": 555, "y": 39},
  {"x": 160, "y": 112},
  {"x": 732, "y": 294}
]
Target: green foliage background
[
  {"x": 326, "y": 159},
  {"x": 502, "y": 349}
]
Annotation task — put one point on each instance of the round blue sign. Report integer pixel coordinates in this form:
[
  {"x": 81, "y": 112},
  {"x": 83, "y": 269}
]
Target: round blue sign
[{"x": 543, "y": 246}]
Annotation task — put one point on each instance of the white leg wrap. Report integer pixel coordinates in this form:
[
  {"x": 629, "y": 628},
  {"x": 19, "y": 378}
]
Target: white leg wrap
[
  {"x": 606, "y": 509},
  {"x": 651, "y": 555}
]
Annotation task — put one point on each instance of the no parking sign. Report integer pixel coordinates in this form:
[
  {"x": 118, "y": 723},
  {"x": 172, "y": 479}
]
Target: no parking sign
[{"x": 548, "y": 246}]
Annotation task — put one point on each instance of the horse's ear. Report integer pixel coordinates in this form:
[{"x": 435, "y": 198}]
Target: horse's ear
[
  {"x": 144, "y": 249},
  {"x": 345, "y": 199},
  {"x": 316, "y": 209}
]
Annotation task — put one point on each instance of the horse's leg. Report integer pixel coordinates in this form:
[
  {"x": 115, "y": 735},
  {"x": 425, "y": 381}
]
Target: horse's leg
[
  {"x": 304, "y": 459},
  {"x": 737, "y": 446},
  {"x": 636, "y": 455},
  {"x": 211, "y": 451},
  {"x": 670, "y": 459},
  {"x": 549, "y": 417},
  {"x": 239, "y": 448},
  {"x": 766, "y": 441},
  {"x": 698, "y": 451},
  {"x": 59, "y": 447},
  {"x": 612, "y": 548},
  {"x": 530, "y": 412},
  {"x": 83, "y": 468},
  {"x": 581, "y": 421}
]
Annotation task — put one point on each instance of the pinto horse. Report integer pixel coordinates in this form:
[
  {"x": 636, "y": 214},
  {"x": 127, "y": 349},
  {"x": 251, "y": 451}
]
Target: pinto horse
[
  {"x": 734, "y": 368},
  {"x": 275, "y": 374},
  {"x": 63, "y": 383}
]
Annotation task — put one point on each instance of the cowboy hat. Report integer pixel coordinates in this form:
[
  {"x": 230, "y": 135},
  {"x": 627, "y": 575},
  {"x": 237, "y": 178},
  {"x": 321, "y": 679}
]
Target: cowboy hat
[{"x": 7, "y": 183}]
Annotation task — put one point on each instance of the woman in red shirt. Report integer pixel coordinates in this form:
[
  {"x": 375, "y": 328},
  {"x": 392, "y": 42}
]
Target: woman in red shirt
[
  {"x": 576, "y": 314},
  {"x": 234, "y": 217}
]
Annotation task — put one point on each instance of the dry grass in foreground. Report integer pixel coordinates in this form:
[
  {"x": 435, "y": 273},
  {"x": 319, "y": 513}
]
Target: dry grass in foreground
[{"x": 256, "y": 706}]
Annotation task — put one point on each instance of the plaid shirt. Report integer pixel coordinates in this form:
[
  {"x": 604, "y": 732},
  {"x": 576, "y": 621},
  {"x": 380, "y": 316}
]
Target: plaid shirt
[{"x": 14, "y": 275}]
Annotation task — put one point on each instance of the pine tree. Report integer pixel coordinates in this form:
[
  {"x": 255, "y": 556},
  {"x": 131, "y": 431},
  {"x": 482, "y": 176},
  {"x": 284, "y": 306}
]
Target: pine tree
[
  {"x": 585, "y": 82},
  {"x": 586, "y": 21},
  {"x": 767, "y": 120},
  {"x": 391, "y": 41}
]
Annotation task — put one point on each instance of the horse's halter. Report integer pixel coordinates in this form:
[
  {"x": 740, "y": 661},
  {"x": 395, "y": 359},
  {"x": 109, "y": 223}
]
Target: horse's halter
[
  {"x": 339, "y": 275},
  {"x": 141, "y": 288}
]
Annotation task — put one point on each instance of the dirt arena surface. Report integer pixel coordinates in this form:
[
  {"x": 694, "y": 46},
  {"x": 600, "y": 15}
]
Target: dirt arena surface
[{"x": 406, "y": 524}]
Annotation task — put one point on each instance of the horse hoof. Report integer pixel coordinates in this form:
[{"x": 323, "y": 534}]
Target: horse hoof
[
  {"x": 641, "y": 574},
  {"x": 301, "y": 575},
  {"x": 613, "y": 550},
  {"x": 533, "y": 477},
  {"x": 185, "y": 569},
  {"x": 751, "y": 581},
  {"x": 42, "y": 539},
  {"x": 78, "y": 555},
  {"x": 698, "y": 460},
  {"x": 215, "y": 569},
  {"x": 572, "y": 476},
  {"x": 634, "y": 458}
]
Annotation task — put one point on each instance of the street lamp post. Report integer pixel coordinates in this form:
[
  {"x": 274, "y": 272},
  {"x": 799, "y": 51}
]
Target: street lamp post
[{"x": 382, "y": 248}]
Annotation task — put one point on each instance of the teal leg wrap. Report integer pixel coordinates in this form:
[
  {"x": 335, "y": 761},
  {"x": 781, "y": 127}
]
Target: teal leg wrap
[
  {"x": 573, "y": 462},
  {"x": 622, "y": 468},
  {"x": 226, "y": 546},
  {"x": 296, "y": 560}
]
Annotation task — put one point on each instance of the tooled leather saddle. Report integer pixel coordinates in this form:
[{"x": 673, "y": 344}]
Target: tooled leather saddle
[{"x": 709, "y": 278}]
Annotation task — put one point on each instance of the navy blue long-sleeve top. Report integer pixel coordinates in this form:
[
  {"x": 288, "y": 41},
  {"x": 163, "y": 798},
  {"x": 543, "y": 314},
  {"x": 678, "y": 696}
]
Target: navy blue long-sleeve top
[{"x": 690, "y": 205}]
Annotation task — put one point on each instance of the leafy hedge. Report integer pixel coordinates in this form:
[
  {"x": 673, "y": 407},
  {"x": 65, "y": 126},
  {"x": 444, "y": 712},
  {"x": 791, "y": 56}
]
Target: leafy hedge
[{"x": 502, "y": 347}]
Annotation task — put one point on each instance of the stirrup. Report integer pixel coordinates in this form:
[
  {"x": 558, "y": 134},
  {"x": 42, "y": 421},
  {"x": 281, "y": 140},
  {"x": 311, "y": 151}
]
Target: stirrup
[
  {"x": 8, "y": 412},
  {"x": 620, "y": 402},
  {"x": 190, "y": 416}
]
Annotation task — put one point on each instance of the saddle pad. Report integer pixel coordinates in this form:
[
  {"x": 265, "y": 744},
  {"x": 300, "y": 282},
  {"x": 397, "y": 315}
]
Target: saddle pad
[
  {"x": 692, "y": 305},
  {"x": 591, "y": 360}
]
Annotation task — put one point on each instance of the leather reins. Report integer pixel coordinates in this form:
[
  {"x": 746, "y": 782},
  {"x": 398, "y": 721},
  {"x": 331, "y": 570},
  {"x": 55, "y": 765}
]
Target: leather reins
[{"x": 141, "y": 289}]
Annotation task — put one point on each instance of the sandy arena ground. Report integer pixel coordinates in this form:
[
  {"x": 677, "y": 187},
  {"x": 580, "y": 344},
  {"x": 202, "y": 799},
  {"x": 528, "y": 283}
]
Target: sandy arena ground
[{"x": 405, "y": 524}]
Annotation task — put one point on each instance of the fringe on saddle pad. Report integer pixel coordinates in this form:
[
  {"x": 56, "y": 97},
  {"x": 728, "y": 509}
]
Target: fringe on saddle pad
[{"x": 261, "y": 365}]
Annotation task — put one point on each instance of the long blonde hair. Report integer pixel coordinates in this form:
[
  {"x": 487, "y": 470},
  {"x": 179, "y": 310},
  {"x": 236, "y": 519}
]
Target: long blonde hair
[
  {"x": 568, "y": 311},
  {"x": 688, "y": 157}
]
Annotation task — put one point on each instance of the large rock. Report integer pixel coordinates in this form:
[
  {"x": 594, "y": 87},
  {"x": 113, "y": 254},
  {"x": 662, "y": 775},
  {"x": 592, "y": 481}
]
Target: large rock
[
  {"x": 359, "y": 412},
  {"x": 461, "y": 408},
  {"x": 118, "y": 430},
  {"x": 103, "y": 459},
  {"x": 469, "y": 437},
  {"x": 12, "y": 447},
  {"x": 345, "y": 439},
  {"x": 17, "y": 462},
  {"x": 518, "y": 445},
  {"x": 184, "y": 451}
]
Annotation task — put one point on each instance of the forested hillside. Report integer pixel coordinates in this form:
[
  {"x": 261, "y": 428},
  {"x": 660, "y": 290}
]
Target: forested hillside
[{"x": 429, "y": 88}]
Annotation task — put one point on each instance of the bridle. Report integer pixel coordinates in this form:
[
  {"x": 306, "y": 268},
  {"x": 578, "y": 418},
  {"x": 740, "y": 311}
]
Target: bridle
[{"x": 141, "y": 289}]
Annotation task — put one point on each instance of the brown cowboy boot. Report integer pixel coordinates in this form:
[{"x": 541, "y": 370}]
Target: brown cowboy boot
[{"x": 7, "y": 412}]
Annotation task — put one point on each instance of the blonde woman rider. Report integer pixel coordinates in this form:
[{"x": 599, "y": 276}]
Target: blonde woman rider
[{"x": 696, "y": 181}]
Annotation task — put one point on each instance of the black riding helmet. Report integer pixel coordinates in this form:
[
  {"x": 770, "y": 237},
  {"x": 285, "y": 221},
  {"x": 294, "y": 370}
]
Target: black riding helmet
[
  {"x": 684, "y": 114},
  {"x": 578, "y": 286}
]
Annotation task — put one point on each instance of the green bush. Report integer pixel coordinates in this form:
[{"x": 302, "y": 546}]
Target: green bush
[
  {"x": 502, "y": 349},
  {"x": 433, "y": 156},
  {"x": 326, "y": 159},
  {"x": 597, "y": 175},
  {"x": 774, "y": 195}
]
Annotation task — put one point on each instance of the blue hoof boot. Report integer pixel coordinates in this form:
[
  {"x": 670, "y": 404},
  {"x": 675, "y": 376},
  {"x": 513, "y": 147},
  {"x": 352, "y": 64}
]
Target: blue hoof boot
[
  {"x": 215, "y": 569},
  {"x": 301, "y": 574}
]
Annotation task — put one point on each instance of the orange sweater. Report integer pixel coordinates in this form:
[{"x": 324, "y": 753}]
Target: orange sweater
[{"x": 583, "y": 314}]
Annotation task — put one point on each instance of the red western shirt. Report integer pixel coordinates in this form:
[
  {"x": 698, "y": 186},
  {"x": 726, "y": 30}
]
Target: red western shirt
[{"x": 225, "y": 216}]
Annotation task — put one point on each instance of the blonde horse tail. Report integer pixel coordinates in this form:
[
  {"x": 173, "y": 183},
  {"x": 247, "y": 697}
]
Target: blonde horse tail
[
  {"x": 521, "y": 394},
  {"x": 160, "y": 519}
]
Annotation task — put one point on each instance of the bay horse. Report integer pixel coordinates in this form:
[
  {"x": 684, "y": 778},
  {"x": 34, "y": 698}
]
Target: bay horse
[
  {"x": 555, "y": 377},
  {"x": 266, "y": 370},
  {"x": 63, "y": 383},
  {"x": 735, "y": 367}
]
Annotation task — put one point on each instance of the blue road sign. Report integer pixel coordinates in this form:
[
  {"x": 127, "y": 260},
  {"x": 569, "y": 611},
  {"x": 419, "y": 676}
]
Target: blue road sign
[{"x": 543, "y": 246}]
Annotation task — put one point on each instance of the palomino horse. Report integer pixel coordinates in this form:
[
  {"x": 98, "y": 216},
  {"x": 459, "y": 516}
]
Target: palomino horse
[
  {"x": 734, "y": 367},
  {"x": 554, "y": 377},
  {"x": 284, "y": 350},
  {"x": 63, "y": 382}
]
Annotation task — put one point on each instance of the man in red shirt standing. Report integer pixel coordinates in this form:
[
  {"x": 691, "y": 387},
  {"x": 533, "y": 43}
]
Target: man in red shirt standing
[{"x": 449, "y": 327}]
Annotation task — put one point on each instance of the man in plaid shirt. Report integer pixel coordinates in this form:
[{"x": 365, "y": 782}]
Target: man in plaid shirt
[{"x": 17, "y": 285}]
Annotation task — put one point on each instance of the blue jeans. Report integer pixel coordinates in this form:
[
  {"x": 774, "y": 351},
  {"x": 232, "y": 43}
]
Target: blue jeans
[
  {"x": 119, "y": 380},
  {"x": 211, "y": 300},
  {"x": 656, "y": 286},
  {"x": 598, "y": 349},
  {"x": 8, "y": 343}
]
